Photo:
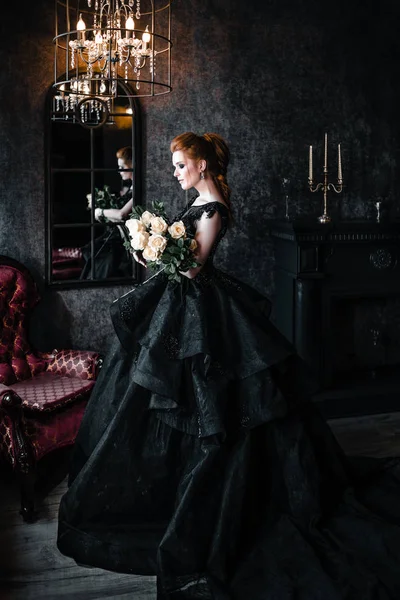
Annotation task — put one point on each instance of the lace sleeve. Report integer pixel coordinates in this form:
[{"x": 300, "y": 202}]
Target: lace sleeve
[{"x": 210, "y": 209}]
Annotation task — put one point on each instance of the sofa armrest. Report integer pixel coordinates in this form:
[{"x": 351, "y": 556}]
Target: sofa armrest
[
  {"x": 9, "y": 399},
  {"x": 75, "y": 363},
  {"x": 16, "y": 446}
]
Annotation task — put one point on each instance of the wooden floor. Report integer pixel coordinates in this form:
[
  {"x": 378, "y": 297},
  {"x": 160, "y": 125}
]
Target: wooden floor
[{"x": 32, "y": 568}]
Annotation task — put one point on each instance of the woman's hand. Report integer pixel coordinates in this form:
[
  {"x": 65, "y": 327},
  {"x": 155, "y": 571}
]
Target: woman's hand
[
  {"x": 98, "y": 213},
  {"x": 139, "y": 258},
  {"x": 114, "y": 215},
  {"x": 191, "y": 274}
]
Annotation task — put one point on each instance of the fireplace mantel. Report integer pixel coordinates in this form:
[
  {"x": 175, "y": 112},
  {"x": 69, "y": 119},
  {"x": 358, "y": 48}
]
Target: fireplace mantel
[
  {"x": 311, "y": 230},
  {"x": 318, "y": 268}
]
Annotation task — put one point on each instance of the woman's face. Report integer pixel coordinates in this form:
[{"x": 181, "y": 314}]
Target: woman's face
[
  {"x": 187, "y": 170},
  {"x": 125, "y": 165}
]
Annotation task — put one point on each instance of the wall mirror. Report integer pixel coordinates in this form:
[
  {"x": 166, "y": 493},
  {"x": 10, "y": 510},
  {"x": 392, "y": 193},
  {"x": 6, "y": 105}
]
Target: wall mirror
[{"x": 83, "y": 248}]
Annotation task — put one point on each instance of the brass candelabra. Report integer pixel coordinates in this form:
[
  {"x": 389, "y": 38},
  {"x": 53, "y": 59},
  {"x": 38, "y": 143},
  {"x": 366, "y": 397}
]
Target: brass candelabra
[{"x": 325, "y": 186}]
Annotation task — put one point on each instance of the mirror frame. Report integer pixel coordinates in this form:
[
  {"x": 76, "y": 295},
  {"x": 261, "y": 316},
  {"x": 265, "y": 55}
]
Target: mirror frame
[{"x": 137, "y": 146}]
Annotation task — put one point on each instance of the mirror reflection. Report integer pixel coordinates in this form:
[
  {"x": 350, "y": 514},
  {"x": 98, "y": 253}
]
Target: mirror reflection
[
  {"x": 111, "y": 258},
  {"x": 93, "y": 182}
]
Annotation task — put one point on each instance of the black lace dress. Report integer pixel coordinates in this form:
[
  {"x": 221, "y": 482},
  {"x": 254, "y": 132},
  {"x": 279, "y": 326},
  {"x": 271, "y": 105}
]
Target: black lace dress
[
  {"x": 111, "y": 258},
  {"x": 200, "y": 459}
]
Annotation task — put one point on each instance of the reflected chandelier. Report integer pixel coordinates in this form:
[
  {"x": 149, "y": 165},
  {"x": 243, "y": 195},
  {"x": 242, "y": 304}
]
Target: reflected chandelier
[{"x": 99, "y": 43}]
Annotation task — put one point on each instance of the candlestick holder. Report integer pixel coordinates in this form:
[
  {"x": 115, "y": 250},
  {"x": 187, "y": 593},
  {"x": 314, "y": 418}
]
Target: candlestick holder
[{"x": 325, "y": 187}]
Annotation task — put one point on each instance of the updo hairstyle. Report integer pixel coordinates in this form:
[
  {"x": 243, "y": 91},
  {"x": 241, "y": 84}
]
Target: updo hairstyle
[{"x": 212, "y": 148}]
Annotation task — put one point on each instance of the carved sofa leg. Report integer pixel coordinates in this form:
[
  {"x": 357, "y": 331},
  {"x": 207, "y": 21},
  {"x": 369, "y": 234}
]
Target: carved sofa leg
[{"x": 24, "y": 462}]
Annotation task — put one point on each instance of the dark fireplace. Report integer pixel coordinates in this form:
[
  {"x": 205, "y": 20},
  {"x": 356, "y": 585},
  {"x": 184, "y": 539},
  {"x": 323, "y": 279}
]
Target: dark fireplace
[
  {"x": 366, "y": 337},
  {"x": 338, "y": 301}
]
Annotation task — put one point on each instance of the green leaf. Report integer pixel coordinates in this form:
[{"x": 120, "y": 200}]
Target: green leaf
[
  {"x": 175, "y": 277},
  {"x": 136, "y": 212},
  {"x": 153, "y": 266},
  {"x": 158, "y": 208}
]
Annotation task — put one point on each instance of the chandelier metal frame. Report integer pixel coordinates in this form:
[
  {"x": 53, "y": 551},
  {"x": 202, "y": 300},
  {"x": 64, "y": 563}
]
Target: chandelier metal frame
[{"x": 113, "y": 40}]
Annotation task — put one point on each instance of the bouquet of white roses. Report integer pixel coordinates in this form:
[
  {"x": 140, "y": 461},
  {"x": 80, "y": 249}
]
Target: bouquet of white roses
[{"x": 161, "y": 244}]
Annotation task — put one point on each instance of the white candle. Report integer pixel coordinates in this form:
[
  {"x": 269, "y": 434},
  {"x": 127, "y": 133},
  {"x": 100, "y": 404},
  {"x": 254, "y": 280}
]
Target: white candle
[
  {"x": 326, "y": 152},
  {"x": 310, "y": 165},
  {"x": 81, "y": 28},
  {"x": 339, "y": 164}
]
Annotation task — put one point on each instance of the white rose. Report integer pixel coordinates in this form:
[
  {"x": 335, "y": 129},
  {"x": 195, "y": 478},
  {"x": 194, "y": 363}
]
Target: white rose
[
  {"x": 135, "y": 226},
  {"x": 89, "y": 200},
  {"x": 193, "y": 245},
  {"x": 157, "y": 243},
  {"x": 140, "y": 240},
  {"x": 158, "y": 225},
  {"x": 147, "y": 217},
  {"x": 149, "y": 253},
  {"x": 177, "y": 230}
]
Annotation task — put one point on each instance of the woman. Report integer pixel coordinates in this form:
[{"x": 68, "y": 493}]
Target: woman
[
  {"x": 111, "y": 257},
  {"x": 200, "y": 458},
  {"x": 117, "y": 215}
]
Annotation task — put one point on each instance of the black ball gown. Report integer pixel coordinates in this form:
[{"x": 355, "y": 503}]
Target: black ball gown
[{"x": 200, "y": 458}]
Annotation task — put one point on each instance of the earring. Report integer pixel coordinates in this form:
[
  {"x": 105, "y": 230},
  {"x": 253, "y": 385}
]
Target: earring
[{"x": 201, "y": 175}]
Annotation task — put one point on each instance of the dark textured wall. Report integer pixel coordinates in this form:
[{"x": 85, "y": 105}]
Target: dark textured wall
[{"x": 271, "y": 79}]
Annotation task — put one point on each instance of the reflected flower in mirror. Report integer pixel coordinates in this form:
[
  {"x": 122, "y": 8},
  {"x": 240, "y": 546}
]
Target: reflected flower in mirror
[{"x": 104, "y": 199}]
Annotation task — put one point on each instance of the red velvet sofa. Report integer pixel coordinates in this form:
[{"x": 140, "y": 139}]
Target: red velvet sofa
[{"x": 42, "y": 394}]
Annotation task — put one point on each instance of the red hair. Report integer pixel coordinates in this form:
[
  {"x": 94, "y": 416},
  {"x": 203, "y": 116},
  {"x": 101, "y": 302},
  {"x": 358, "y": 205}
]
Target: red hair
[
  {"x": 212, "y": 148},
  {"x": 125, "y": 154}
]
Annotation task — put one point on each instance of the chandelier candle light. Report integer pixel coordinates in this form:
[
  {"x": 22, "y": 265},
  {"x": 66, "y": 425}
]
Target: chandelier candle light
[
  {"x": 99, "y": 43},
  {"x": 325, "y": 186}
]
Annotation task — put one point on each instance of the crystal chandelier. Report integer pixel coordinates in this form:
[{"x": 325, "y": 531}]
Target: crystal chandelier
[{"x": 101, "y": 43}]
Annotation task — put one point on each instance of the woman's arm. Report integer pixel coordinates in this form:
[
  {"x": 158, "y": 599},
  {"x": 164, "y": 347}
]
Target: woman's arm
[
  {"x": 115, "y": 215},
  {"x": 206, "y": 233}
]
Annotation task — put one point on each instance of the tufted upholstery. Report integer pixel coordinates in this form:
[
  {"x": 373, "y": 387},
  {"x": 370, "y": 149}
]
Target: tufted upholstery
[
  {"x": 42, "y": 395},
  {"x": 18, "y": 296},
  {"x": 62, "y": 254},
  {"x": 67, "y": 263}
]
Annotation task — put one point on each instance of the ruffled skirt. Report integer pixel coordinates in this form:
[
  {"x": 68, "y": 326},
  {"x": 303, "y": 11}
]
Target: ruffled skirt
[{"x": 201, "y": 460}]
